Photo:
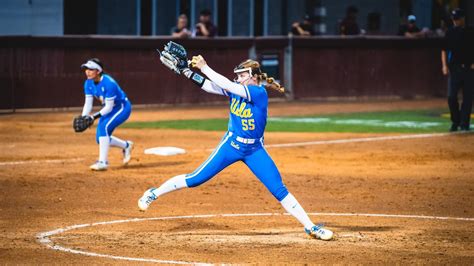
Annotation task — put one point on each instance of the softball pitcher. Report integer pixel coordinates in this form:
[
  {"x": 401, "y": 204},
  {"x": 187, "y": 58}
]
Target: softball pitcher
[
  {"x": 115, "y": 111},
  {"x": 248, "y": 101}
]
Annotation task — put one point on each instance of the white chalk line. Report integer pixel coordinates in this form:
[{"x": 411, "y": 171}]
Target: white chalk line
[
  {"x": 354, "y": 140},
  {"x": 40, "y": 161},
  {"x": 44, "y": 237},
  {"x": 282, "y": 145},
  {"x": 368, "y": 139}
]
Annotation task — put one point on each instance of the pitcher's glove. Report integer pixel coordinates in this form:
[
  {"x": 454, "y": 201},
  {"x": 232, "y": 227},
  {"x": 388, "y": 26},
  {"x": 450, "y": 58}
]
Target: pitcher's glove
[
  {"x": 81, "y": 123},
  {"x": 174, "y": 57}
]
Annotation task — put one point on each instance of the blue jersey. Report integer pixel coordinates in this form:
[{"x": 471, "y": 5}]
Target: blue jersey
[
  {"x": 107, "y": 88},
  {"x": 248, "y": 117}
]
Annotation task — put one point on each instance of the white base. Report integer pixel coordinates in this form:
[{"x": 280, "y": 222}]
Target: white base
[{"x": 165, "y": 151}]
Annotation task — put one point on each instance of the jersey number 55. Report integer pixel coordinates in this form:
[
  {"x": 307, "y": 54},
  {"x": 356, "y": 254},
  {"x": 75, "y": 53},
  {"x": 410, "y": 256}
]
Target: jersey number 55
[{"x": 248, "y": 124}]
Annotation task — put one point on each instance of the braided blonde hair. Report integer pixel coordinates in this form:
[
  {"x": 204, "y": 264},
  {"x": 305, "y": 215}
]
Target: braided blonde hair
[{"x": 255, "y": 66}]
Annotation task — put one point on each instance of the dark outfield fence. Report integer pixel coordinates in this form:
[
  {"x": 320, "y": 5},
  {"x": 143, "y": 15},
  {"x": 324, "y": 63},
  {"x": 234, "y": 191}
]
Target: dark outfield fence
[{"x": 44, "y": 72}]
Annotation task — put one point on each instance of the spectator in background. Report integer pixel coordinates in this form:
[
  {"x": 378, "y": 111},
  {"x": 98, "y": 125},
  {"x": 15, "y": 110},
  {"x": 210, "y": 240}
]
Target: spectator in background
[
  {"x": 304, "y": 28},
  {"x": 181, "y": 29},
  {"x": 410, "y": 29},
  {"x": 349, "y": 25},
  {"x": 457, "y": 58},
  {"x": 205, "y": 27}
]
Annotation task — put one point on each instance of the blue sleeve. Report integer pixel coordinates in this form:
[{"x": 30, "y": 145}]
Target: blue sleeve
[
  {"x": 87, "y": 90},
  {"x": 111, "y": 91},
  {"x": 256, "y": 93}
]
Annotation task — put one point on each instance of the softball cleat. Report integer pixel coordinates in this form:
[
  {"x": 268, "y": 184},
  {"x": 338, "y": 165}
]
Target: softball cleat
[
  {"x": 147, "y": 198},
  {"x": 99, "y": 166},
  {"x": 127, "y": 153},
  {"x": 319, "y": 232}
]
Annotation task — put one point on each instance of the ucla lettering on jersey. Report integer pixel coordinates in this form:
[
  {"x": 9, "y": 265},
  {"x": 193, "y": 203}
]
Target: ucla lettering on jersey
[
  {"x": 107, "y": 88},
  {"x": 238, "y": 109},
  {"x": 248, "y": 118}
]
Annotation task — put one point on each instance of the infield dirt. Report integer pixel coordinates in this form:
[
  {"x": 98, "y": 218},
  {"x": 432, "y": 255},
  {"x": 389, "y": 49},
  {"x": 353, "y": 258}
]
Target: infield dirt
[{"x": 46, "y": 184}]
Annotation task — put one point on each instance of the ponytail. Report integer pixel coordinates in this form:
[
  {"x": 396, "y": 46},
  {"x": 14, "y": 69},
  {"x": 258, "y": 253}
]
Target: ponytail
[{"x": 271, "y": 83}]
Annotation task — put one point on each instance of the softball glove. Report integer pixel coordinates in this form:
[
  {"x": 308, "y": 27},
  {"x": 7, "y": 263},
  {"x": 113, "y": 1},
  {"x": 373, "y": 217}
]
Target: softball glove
[
  {"x": 81, "y": 123},
  {"x": 174, "y": 57}
]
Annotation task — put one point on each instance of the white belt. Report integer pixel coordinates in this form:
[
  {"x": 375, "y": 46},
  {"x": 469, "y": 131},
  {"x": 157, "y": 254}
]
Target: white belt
[{"x": 245, "y": 141}]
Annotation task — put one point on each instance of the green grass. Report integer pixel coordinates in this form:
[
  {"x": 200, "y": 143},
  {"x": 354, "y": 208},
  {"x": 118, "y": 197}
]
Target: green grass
[{"x": 371, "y": 122}]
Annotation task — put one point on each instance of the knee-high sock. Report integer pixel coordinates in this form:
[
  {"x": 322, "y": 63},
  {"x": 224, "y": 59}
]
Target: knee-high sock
[
  {"x": 104, "y": 143},
  {"x": 293, "y": 207},
  {"x": 172, "y": 184},
  {"x": 116, "y": 142}
]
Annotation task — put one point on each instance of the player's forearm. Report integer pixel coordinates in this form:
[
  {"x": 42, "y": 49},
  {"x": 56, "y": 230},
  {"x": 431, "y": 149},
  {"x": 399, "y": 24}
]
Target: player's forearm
[
  {"x": 224, "y": 82},
  {"x": 212, "y": 87},
  {"x": 87, "y": 105},
  {"x": 109, "y": 105},
  {"x": 203, "y": 83},
  {"x": 194, "y": 77}
]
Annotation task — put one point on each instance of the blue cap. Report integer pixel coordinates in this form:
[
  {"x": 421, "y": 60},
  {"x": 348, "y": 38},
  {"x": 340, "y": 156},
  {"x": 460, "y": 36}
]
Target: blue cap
[{"x": 411, "y": 18}]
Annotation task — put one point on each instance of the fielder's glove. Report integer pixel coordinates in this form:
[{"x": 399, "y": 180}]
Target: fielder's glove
[
  {"x": 174, "y": 57},
  {"x": 81, "y": 123}
]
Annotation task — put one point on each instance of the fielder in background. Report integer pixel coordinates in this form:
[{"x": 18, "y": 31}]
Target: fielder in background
[
  {"x": 115, "y": 111},
  {"x": 248, "y": 102}
]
